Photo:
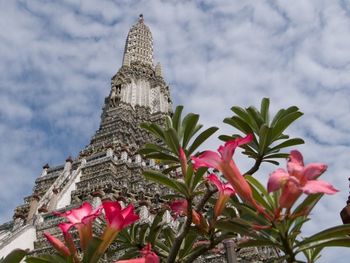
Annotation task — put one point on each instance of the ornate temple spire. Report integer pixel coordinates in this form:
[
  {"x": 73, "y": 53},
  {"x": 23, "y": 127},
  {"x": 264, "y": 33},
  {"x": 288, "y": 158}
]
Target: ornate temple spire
[{"x": 139, "y": 44}]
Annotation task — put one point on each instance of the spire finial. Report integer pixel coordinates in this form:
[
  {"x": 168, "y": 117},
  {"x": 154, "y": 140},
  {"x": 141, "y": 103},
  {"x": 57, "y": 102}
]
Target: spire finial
[
  {"x": 141, "y": 18},
  {"x": 139, "y": 44}
]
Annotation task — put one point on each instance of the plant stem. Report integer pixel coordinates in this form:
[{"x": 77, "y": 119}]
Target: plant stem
[
  {"x": 178, "y": 240},
  {"x": 205, "y": 199},
  {"x": 287, "y": 249},
  {"x": 255, "y": 167},
  {"x": 205, "y": 249}
]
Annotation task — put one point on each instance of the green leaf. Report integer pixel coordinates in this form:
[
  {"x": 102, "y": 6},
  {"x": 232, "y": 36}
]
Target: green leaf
[
  {"x": 308, "y": 203},
  {"x": 283, "y": 123},
  {"x": 160, "y": 178},
  {"x": 271, "y": 161},
  {"x": 203, "y": 136},
  {"x": 225, "y": 138},
  {"x": 246, "y": 117},
  {"x": 177, "y": 117},
  {"x": 239, "y": 124},
  {"x": 256, "y": 184},
  {"x": 198, "y": 175},
  {"x": 162, "y": 246},
  {"x": 264, "y": 109},
  {"x": 161, "y": 156},
  {"x": 287, "y": 143},
  {"x": 132, "y": 252},
  {"x": 339, "y": 231},
  {"x": 188, "y": 243},
  {"x": 189, "y": 124},
  {"x": 169, "y": 237},
  {"x": 154, "y": 129},
  {"x": 263, "y": 138},
  {"x": 15, "y": 256},
  {"x": 235, "y": 226},
  {"x": 249, "y": 214},
  {"x": 155, "y": 227},
  {"x": 172, "y": 140},
  {"x": 55, "y": 258},
  {"x": 189, "y": 176},
  {"x": 277, "y": 155},
  {"x": 91, "y": 252},
  {"x": 143, "y": 232},
  {"x": 252, "y": 111},
  {"x": 328, "y": 242},
  {"x": 281, "y": 113}
]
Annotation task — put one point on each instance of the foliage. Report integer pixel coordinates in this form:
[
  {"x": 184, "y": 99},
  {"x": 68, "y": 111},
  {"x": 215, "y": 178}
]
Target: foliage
[
  {"x": 205, "y": 209},
  {"x": 269, "y": 136}
]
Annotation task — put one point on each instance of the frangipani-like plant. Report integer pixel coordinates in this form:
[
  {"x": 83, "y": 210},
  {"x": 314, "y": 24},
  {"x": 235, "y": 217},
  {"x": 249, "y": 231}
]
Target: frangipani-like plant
[
  {"x": 268, "y": 132},
  {"x": 210, "y": 199}
]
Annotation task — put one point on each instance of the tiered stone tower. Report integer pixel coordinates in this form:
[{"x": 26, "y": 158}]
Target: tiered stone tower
[{"x": 109, "y": 167}]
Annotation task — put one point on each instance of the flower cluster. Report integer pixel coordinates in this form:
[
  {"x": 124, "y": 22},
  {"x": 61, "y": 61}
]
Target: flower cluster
[{"x": 82, "y": 219}]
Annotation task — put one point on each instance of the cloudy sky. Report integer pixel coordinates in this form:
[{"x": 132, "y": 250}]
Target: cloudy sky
[{"x": 57, "y": 58}]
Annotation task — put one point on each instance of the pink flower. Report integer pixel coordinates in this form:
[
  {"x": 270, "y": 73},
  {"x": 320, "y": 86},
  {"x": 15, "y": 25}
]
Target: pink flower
[
  {"x": 117, "y": 219},
  {"x": 298, "y": 179},
  {"x": 223, "y": 162},
  {"x": 225, "y": 191},
  {"x": 183, "y": 161},
  {"x": 68, "y": 237},
  {"x": 57, "y": 244},
  {"x": 82, "y": 218},
  {"x": 179, "y": 207},
  {"x": 148, "y": 256},
  {"x": 80, "y": 215}
]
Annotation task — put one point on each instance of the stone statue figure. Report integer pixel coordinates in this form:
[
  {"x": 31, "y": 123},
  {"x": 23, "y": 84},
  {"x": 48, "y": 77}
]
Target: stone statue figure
[{"x": 115, "y": 95}]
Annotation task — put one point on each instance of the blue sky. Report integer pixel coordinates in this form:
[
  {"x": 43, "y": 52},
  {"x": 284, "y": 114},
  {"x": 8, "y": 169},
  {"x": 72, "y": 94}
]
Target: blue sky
[{"x": 57, "y": 58}]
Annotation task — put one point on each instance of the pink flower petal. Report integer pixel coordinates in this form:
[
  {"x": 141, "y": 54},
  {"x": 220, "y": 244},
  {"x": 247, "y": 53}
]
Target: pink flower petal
[
  {"x": 295, "y": 164},
  {"x": 179, "y": 207},
  {"x": 148, "y": 257},
  {"x": 224, "y": 189},
  {"x": 296, "y": 157},
  {"x": 318, "y": 186},
  {"x": 129, "y": 216},
  {"x": 228, "y": 190},
  {"x": 117, "y": 218},
  {"x": 76, "y": 215},
  {"x": 215, "y": 180},
  {"x": 207, "y": 159},
  {"x": 314, "y": 170},
  {"x": 57, "y": 244},
  {"x": 229, "y": 148},
  {"x": 65, "y": 227},
  {"x": 277, "y": 179},
  {"x": 134, "y": 260}
]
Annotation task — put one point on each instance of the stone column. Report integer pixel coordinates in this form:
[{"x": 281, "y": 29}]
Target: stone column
[
  {"x": 33, "y": 206},
  {"x": 230, "y": 251}
]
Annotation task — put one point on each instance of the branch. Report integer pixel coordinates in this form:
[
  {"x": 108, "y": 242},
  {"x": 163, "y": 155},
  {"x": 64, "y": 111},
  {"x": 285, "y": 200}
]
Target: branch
[
  {"x": 204, "y": 249},
  {"x": 205, "y": 199},
  {"x": 178, "y": 240},
  {"x": 255, "y": 167}
]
